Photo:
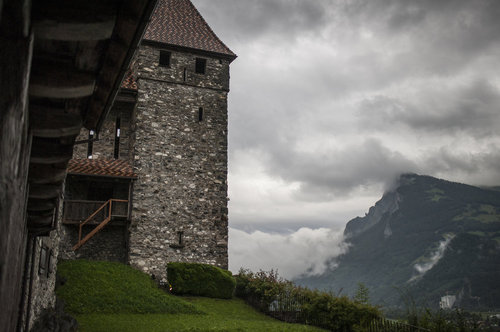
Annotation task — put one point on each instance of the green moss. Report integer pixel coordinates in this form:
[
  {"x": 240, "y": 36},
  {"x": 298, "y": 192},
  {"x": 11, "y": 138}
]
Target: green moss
[
  {"x": 436, "y": 194},
  {"x": 478, "y": 233},
  {"x": 108, "y": 287},
  {"x": 200, "y": 280},
  {"x": 484, "y": 213}
]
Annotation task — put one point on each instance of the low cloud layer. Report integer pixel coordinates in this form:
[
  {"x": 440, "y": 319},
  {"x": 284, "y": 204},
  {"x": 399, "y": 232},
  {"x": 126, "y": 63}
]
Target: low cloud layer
[
  {"x": 436, "y": 255},
  {"x": 305, "y": 251}
]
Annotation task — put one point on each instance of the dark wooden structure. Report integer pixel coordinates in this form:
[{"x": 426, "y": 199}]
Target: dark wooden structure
[
  {"x": 66, "y": 60},
  {"x": 98, "y": 193}
]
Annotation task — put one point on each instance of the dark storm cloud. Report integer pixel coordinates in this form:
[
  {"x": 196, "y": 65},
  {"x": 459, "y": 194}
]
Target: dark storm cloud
[
  {"x": 333, "y": 96},
  {"x": 248, "y": 20},
  {"x": 481, "y": 165},
  {"x": 445, "y": 35},
  {"x": 332, "y": 174},
  {"x": 471, "y": 110}
]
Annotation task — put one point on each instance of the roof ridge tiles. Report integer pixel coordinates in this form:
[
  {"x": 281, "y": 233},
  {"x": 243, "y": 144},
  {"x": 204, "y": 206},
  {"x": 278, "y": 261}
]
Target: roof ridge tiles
[{"x": 179, "y": 23}]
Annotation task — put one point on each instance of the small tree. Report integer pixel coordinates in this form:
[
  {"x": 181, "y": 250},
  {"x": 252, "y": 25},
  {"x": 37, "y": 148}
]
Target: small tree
[{"x": 362, "y": 294}]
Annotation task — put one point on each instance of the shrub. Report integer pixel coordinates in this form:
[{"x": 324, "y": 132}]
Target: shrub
[
  {"x": 269, "y": 293},
  {"x": 200, "y": 279}
]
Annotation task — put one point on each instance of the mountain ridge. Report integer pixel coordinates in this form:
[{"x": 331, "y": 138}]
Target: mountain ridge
[{"x": 426, "y": 237}]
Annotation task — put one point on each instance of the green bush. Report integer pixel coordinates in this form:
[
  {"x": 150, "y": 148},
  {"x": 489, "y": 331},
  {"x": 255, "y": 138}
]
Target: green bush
[
  {"x": 200, "y": 279},
  {"x": 268, "y": 292}
]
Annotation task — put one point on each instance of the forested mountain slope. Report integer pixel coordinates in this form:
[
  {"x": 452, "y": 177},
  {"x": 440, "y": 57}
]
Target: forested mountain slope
[{"x": 426, "y": 238}]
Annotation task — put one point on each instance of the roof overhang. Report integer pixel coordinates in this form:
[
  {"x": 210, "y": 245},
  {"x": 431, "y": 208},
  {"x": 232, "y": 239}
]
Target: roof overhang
[{"x": 82, "y": 51}]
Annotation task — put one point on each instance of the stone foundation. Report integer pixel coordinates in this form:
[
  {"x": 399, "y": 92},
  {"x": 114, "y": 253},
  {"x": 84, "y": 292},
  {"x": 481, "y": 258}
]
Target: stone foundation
[{"x": 109, "y": 244}]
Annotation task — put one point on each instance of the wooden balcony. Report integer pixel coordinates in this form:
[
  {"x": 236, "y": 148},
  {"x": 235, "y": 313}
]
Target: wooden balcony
[{"x": 77, "y": 211}]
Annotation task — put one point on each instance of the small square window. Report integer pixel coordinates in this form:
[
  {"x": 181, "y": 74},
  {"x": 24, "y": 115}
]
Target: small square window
[
  {"x": 201, "y": 65},
  {"x": 165, "y": 58}
]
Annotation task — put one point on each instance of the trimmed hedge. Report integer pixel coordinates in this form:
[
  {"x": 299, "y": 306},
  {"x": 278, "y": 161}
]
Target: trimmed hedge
[{"x": 200, "y": 279}]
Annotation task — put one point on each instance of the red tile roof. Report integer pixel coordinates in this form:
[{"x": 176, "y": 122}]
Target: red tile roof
[
  {"x": 129, "y": 81},
  {"x": 101, "y": 167},
  {"x": 178, "y": 23}
]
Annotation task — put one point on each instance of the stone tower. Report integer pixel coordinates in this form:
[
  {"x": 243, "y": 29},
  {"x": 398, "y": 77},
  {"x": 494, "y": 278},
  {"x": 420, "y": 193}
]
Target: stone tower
[
  {"x": 163, "y": 149},
  {"x": 180, "y": 151}
]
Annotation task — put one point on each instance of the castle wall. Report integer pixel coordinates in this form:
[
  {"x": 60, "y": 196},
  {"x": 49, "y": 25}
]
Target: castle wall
[
  {"x": 216, "y": 74},
  {"x": 41, "y": 276},
  {"x": 181, "y": 164},
  {"x": 109, "y": 244},
  {"x": 105, "y": 146}
]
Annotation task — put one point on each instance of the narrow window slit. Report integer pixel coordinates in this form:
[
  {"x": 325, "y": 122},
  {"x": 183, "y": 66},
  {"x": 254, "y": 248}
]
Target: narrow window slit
[
  {"x": 117, "y": 139},
  {"x": 90, "y": 144},
  {"x": 200, "y": 114}
]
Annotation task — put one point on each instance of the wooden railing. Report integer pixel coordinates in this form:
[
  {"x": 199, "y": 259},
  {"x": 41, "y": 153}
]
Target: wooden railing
[
  {"x": 106, "y": 212},
  {"x": 77, "y": 210}
]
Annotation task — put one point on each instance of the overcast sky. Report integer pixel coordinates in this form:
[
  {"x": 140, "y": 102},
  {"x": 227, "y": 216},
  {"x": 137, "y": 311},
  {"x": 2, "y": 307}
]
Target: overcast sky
[{"x": 331, "y": 100}]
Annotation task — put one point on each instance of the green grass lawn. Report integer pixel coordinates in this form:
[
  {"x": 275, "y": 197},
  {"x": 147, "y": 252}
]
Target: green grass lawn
[
  {"x": 113, "y": 297},
  {"x": 221, "y": 315}
]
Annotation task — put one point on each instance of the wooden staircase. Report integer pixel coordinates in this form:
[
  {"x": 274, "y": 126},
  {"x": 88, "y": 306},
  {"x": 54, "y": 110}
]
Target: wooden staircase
[{"x": 108, "y": 205}]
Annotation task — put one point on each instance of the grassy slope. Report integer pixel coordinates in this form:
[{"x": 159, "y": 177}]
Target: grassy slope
[
  {"x": 106, "y": 296},
  {"x": 108, "y": 287},
  {"x": 221, "y": 315}
]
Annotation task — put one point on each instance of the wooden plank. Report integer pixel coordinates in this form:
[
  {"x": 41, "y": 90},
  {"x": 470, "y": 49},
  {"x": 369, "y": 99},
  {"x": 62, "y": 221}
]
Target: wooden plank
[
  {"x": 57, "y": 80},
  {"x": 35, "y": 204},
  {"x": 138, "y": 13},
  {"x": 45, "y": 191},
  {"x": 48, "y": 151},
  {"x": 74, "y": 20},
  {"x": 74, "y": 31},
  {"x": 46, "y": 173},
  {"x": 53, "y": 122}
]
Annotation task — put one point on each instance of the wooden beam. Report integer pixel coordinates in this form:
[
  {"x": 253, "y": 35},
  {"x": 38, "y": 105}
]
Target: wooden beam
[
  {"x": 51, "y": 122},
  {"x": 46, "y": 151},
  {"x": 74, "y": 31},
  {"x": 41, "y": 204},
  {"x": 38, "y": 221},
  {"x": 45, "y": 191},
  {"x": 76, "y": 20},
  {"x": 131, "y": 22},
  {"x": 57, "y": 81},
  {"x": 43, "y": 173}
]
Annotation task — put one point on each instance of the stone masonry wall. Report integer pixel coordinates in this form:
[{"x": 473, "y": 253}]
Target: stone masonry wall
[
  {"x": 216, "y": 75},
  {"x": 104, "y": 147},
  {"x": 108, "y": 244},
  {"x": 44, "y": 280},
  {"x": 181, "y": 164}
]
